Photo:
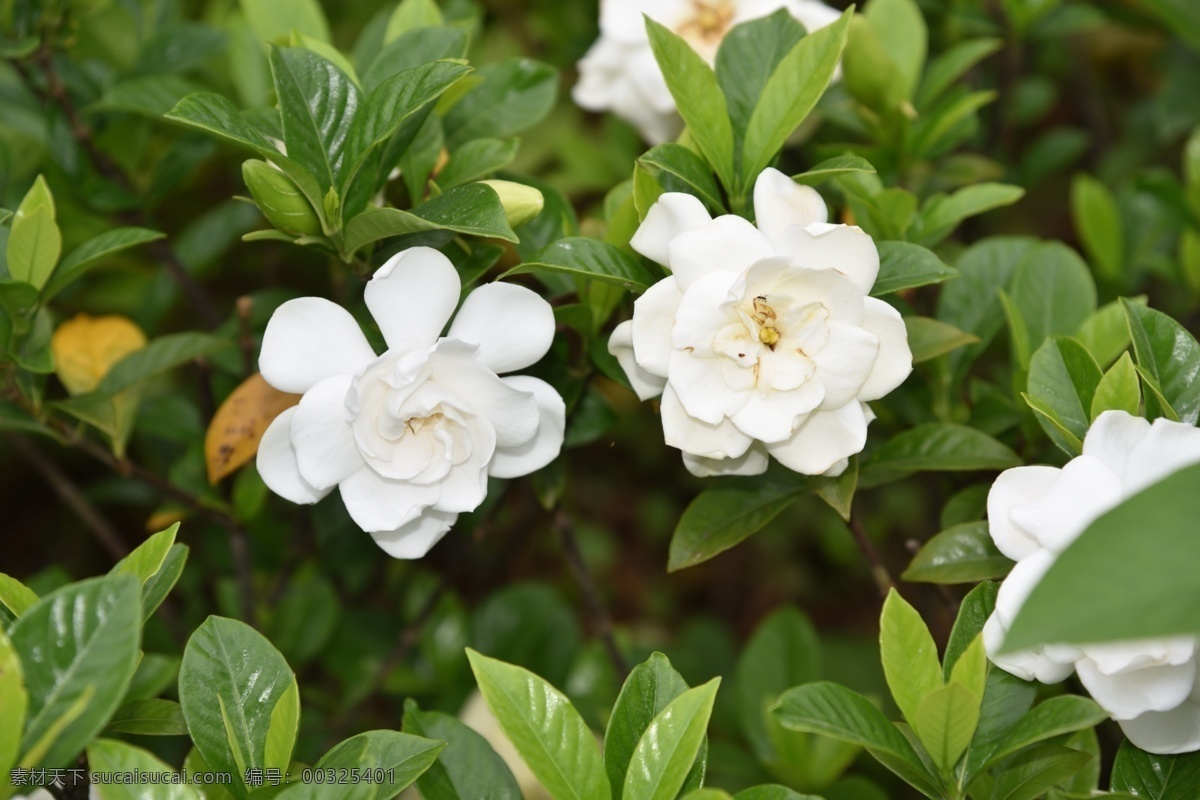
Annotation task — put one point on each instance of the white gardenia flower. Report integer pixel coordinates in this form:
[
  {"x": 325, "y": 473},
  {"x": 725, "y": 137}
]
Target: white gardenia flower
[
  {"x": 619, "y": 73},
  {"x": 763, "y": 339},
  {"x": 409, "y": 437},
  {"x": 1148, "y": 685}
]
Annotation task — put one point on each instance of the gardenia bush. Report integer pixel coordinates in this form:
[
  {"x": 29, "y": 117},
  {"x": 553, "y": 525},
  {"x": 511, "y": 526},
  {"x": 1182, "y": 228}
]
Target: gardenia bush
[{"x": 911, "y": 286}]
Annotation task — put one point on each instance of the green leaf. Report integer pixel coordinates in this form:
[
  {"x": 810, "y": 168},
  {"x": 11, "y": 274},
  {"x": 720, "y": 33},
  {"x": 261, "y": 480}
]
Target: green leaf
[
  {"x": 94, "y": 251},
  {"x": 939, "y": 446},
  {"x": 664, "y": 755},
  {"x": 14, "y": 702},
  {"x": 148, "y": 95},
  {"x": 672, "y": 164},
  {"x": 1098, "y": 223},
  {"x": 1118, "y": 390},
  {"x": 770, "y": 791},
  {"x": 79, "y": 641},
  {"x": 474, "y": 209},
  {"x": 699, "y": 98},
  {"x": 1169, "y": 354},
  {"x": 34, "y": 245},
  {"x": 545, "y": 729},
  {"x": 945, "y": 70},
  {"x": 929, "y": 338},
  {"x": 467, "y": 768},
  {"x": 650, "y": 687},
  {"x": 971, "y": 668},
  {"x": 162, "y": 354},
  {"x": 748, "y": 57},
  {"x": 909, "y": 655},
  {"x": 832, "y": 168},
  {"x": 402, "y": 757},
  {"x": 973, "y": 612},
  {"x": 282, "y": 729},
  {"x": 903, "y": 35},
  {"x": 790, "y": 94},
  {"x": 904, "y": 266},
  {"x": 941, "y": 214},
  {"x": 16, "y": 596},
  {"x": 961, "y": 554},
  {"x": 230, "y": 682},
  {"x": 838, "y": 493},
  {"x": 274, "y": 20},
  {"x": 1109, "y": 567},
  {"x": 118, "y": 758},
  {"x": 945, "y": 722},
  {"x": 510, "y": 97},
  {"x": 148, "y": 557},
  {"x": 1054, "y": 717},
  {"x": 1030, "y": 774},
  {"x": 156, "y": 589},
  {"x": 412, "y": 15},
  {"x": 589, "y": 258},
  {"x": 1155, "y": 777},
  {"x": 475, "y": 160},
  {"x": 151, "y": 717},
  {"x": 1063, "y": 377},
  {"x": 728, "y": 511},
  {"x": 317, "y": 104},
  {"x": 833, "y": 710},
  {"x": 1053, "y": 291},
  {"x": 414, "y": 48}
]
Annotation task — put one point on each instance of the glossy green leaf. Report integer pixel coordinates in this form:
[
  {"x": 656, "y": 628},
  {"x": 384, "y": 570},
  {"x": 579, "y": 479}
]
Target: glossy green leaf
[
  {"x": 771, "y": 792},
  {"x": 832, "y": 168},
  {"x": 153, "y": 717},
  {"x": 1106, "y": 332},
  {"x": 475, "y": 160},
  {"x": 1170, "y": 355},
  {"x": 1034, "y": 771},
  {"x": 162, "y": 354},
  {"x": 929, "y": 338},
  {"x": 274, "y": 20},
  {"x": 148, "y": 557},
  {"x": 664, "y": 755},
  {"x": 402, "y": 757},
  {"x": 156, "y": 589},
  {"x": 412, "y": 15},
  {"x": 588, "y": 258},
  {"x": 728, "y": 511},
  {"x": 971, "y": 669},
  {"x": 1155, "y": 777},
  {"x": 675, "y": 164},
  {"x": 945, "y": 721},
  {"x": 545, "y": 729},
  {"x": 941, "y": 214},
  {"x": 467, "y": 768},
  {"x": 903, "y": 36},
  {"x": 952, "y": 64},
  {"x": 1048, "y": 719},
  {"x": 93, "y": 252},
  {"x": 474, "y": 209},
  {"x": 230, "y": 681},
  {"x": 79, "y": 641},
  {"x": 1098, "y": 223},
  {"x": 16, "y": 596},
  {"x": 936, "y": 446},
  {"x": 748, "y": 56},
  {"x": 510, "y": 97},
  {"x": 1118, "y": 390},
  {"x": 118, "y": 758},
  {"x": 14, "y": 702},
  {"x": 961, "y": 554},
  {"x": 282, "y": 728},
  {"x": 1053, "y": 291},
  {"x": 905, "y": 266},
  {"x": 34, "y": 245},
  {"x": 412, "y": 49},
  {"x": 909, "y": 655},
  {"x": 650, "y": 686},
  {"x": 1063, "y": 376},
  {"x": 790, "y": 94}
]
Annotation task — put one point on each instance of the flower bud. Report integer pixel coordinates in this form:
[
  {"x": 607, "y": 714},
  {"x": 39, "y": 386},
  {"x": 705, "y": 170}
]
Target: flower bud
[
  {"x": 521, "y": 203},
  {"x": 280, "y": 201}
]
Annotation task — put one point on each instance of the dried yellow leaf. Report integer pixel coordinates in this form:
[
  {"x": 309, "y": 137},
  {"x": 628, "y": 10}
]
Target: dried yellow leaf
[
  {"x": 239, "y": 424},
  {"x": 85, "y": 348}
]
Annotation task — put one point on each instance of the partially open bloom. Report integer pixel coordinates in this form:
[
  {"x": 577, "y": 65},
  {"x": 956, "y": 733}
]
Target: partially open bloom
[
  {"x": 409, "y": 437},
  {"x": 619, "y": 73},
  {"x": 763, "y": 339},
  {"x": 1149, "y": 685}
]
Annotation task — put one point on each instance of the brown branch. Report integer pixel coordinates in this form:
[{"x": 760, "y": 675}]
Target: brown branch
[
  {"x": 71, "y": 495},
  {"x": 601, "y": 622},
  {"x": 879, "y": 572}
]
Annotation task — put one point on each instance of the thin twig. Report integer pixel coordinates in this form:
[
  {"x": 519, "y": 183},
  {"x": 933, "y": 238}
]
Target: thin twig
[
  {"x": 883, "y": 580},
  {"x": 245, "y": 304},
  {"x": 601, "y": 622},
  {"x": 72, "y": 495}
]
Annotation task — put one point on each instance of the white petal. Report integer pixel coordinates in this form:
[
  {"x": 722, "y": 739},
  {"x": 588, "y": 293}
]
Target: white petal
[
  {"x": 512, "y": 412},
  {"x": 672, "y": 214},
  {"x": 1085, "y": 489},
  {"x": 412, "y": 296},
  {"x": 1167, "y": 448},
  {"x": 753, "y": 462},
  {"x": 845, "y": 363},
  {"x": 1114, "y": 657},
  {"x": 894, "y": 362},
  {"x": 1028, "y": 665},
  {"x": 622, "y": 19},
  {"x": 780, "y": 202},
  {"x": 704, "y": 312},
  {"x": 513, "y": 326},
  {"x": 727, "y": 244},
  {"x": 1015, "y": 589},
  {"x": 691, "y": 435},
  {"x": 308, "y": 340},
  {"x": 653, "y": 318},
  {"x": 544, "y": 447},
  {"x": 700, "y": 385},
  {"x": 414, "y": 539},
  {"x": 463, "y": 489},
  {"x": 825, "y": 438},
  {"x": 1127, "y": 695},
  {"x": 1167, "y": 732},
  {"x": 377, "y": 503},
  {"x": 840, "y": 296},
  {"x": 323, "y": 437},
  {"x": 812, "y": 14},
  {"x": 620, "y": 344},
  {"x": 842, "y": 247},
  {"x": 773, "y": 416},
  {"x": 1016, "y": 487},
  {"x": 276, "y": 463},
  {"x": 1112, "y": 438}
]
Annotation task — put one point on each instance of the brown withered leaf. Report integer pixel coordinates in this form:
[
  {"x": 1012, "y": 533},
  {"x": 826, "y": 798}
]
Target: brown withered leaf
[{"x": 239, "y": 424}]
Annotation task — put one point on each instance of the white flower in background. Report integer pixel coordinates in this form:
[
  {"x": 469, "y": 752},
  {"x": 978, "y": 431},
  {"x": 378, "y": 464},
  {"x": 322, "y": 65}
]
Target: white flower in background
[
  {"x": 763, "y": 339},
  {"x": 1149, "y": 685},
  {"x": 619, "y": 73},
  {"x": 411, "y": 436}
]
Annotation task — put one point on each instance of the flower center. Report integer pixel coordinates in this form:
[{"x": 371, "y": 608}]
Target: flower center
[
  {"x": 768, "y": 320},
  {"x": 709, "y": 21}
]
